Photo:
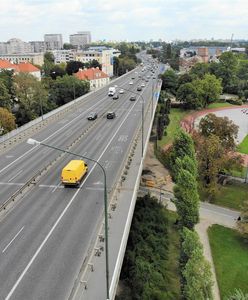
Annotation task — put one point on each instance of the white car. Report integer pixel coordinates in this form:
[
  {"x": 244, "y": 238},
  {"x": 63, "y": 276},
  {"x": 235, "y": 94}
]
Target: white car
[
  {"x": 142, "y": 84},
  {"x": 130, "y": 82},
  {"x": 121, "y": 91}
]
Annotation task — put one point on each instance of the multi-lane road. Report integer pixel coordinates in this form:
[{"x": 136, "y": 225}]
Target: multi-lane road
[{"x": 45, "y": 236}]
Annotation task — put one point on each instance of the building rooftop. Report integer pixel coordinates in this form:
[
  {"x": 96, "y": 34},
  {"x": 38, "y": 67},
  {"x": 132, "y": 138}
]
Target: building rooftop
[{"x": 90, "y": 74}]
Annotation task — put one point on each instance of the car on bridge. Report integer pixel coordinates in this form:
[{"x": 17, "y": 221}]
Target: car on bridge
[
  {"x": 132, "y": 98},
  {"x": 92, "y": 116},
  {"x": 116, "y": 96},
  {"x": 111, "y": 115},
  {"x": 139, "y": 88}
]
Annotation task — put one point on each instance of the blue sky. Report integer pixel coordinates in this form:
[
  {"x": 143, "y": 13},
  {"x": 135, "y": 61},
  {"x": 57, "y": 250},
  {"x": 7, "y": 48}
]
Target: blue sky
[{"x": 124, "y": 19}]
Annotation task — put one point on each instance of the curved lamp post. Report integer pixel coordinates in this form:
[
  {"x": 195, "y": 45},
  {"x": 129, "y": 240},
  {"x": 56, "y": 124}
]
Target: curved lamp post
[{"x": 35, "y": 142}]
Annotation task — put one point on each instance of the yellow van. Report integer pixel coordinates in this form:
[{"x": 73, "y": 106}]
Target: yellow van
[{"x": 73, "y": 172}]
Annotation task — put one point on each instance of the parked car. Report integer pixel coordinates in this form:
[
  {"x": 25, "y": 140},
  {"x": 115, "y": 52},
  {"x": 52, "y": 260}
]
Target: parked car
[
  {"x": 132, "y": 98},
  {"x": 111, "y": 115},
  {"x": 92, "y": 116},
  {"x": 116, "y": 96}
]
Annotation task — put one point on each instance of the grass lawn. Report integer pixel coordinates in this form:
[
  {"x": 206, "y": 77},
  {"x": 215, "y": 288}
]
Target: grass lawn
[
  {"x": 231, "y": 195},
  {"x": 176, "y": 115},
  {"x": 230, "y": 255},
  {"x": 219, "y": 104},
  {"x": 243, "y": 146},
  {"x": 173, "y": 285}
]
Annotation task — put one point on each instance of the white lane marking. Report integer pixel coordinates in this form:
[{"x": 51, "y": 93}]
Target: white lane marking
[
  {"x": 61, "y": 128},
  {"x": 63, "y": 213},
  {"x": 18, "y": 173},
  {"x": 50, "y": 186},
  {"x": 7, "y": 246},
  {"x": 11, "y": 183},
  {"x": 55, "y": 188}
]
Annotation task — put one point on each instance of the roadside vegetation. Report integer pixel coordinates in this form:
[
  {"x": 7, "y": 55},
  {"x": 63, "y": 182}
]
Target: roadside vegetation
[
  {"x": 230, "y": 255},
  {"x": 243, "y": 146},
  {"x": 151, "y": 264}
]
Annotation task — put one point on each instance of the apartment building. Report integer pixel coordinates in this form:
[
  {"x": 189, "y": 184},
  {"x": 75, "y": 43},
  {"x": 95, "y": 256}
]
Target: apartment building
[
  {"x": 63, "y": 56},
  {"x": 38, "y": 46},
  {"x": 95, "y": 76},
  {"x": 80, "y": 39},
  {"x": 53, "y": 41},
  {"x": 33, "y": 58},
  {"x": 15, "y": 46},
  {"x": 104, "y": 57}
]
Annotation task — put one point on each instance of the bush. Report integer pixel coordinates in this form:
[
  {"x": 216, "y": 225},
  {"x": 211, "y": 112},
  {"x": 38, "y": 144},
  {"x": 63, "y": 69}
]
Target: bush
[{"x": 235, "y": 101}]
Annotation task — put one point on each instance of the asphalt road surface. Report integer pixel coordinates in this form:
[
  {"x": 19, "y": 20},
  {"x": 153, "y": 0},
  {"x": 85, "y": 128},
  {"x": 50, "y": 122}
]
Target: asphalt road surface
[{"x": 45, "y": 237}]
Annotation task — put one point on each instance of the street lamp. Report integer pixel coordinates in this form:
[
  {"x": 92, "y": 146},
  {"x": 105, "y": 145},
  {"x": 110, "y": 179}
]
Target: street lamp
[
  {"x": 35, "y": 142},
  {"x": 142, "y": 127}
]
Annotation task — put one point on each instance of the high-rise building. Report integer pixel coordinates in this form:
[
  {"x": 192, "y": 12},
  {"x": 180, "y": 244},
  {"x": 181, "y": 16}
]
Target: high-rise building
[
  {"x": 15, "y": 46},
  {"x": 53, "y": 41},
  {"x": 39, "y": 46},
  {"x": 80, "y": 39}
]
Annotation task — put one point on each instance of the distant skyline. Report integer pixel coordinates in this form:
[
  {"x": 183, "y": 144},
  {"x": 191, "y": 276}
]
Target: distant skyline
[{"x": 130, "y": 20}]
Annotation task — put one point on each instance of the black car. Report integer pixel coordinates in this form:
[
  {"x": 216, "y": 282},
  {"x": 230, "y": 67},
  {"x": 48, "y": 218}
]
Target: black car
[
  {"x": 139, "y": 88},
  {"x": 92, "y": 116},
  {"x": 116, "y": 96},
  {"x": 132, "y": 98},
  {"x": 110, "y": 115}
]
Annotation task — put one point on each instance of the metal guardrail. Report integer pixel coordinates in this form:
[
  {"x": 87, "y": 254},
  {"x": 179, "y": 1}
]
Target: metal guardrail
[{"x": 56, "y": 111}]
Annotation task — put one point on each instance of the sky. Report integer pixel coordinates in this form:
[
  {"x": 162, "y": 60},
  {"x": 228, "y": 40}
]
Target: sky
[{"x": 131, "y": 20}]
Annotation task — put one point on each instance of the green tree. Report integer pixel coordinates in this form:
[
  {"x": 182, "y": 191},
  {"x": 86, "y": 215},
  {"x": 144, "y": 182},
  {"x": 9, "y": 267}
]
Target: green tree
[
  {"x": 188, "y": 94},
  {"x": 57, "y": 71},
  {"x": 222, "y": 127},
  {"x": 185, "y": 163},
  {"x": 6, "y": 77},
  {"x": 211, "y": 158},
  {"x": 169, "y": 81},
  {"x": 73, "y": 67},
  {"x": 48, "y": 63},
  {"x": 95, "y": 64},
  {"x": 198, "y": 278},
  {"x": 209, "y": 88},
  {"x": 7, "y": 121},
  {"x": 183, "y": 145},
  {"x": 186, "y": 199},
  {"x": 64, "y": 89},
  {"x": 242, "y": 71},
  {"x": 227, "y": 70},
  {"x": 5, "y": 98},
  {"x": 199, "y": 70}
]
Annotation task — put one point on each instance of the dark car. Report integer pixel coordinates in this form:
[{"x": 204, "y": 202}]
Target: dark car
[
  {"x": 139, "y": 88},
  {"x": 110, "y": 115},
  {"x": 132, "y": 98},
  {"x": 116, "y": 96},
  {"x": 92, "y": 116}
]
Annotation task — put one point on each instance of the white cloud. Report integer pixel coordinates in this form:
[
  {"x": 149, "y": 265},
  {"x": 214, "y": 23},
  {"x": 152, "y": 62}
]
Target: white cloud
[{"x": 126, "y": 19}]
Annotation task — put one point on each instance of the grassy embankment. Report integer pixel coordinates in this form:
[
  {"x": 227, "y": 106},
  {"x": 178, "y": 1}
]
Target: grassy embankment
[
  {"x": 176, "y": 115},
  {"x": 243, "y": 146},
  {"x": 230, "y": 255}
]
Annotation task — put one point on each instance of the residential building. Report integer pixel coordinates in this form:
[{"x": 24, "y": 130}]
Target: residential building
[
  {"x": 15, "y": 46},
  {"x": 80, "y": 39},
  {"x": 63, "y": 56},
  {"x": 23, "y": 67},
  {"x": 7, "y": 65},
  {"x": 33, "y": 58},
  {"x": 96, "y": 77},
  {"x": 26, "y": 67},
  {"x": 3, "y": 48},
  {"x": 104, "y": 57},
  {"x": 53, "y": 41},
  {"x": 38, "y": 46}
]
